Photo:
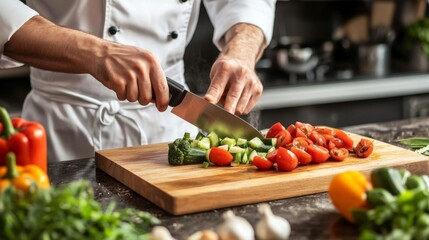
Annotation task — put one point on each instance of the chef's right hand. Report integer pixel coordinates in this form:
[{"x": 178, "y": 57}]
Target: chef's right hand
[
  {"x": 129, "y": 71},
  {"x": 132, "y": 73}
]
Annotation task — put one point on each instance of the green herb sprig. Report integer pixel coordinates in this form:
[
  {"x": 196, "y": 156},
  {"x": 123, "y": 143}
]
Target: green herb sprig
[
  {"x": 68, "y": 212},
  {"x": 419, "y": 144}
]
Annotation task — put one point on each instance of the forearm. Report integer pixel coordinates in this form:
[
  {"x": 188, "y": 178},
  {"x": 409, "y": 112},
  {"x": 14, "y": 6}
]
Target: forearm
[
  {"x": 133, "y": 73},
  {"x": 44, "y": 45},
  {"x": 244, "y": 42}
]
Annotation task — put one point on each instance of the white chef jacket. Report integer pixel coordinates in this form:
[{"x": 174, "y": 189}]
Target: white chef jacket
[{"x": 78, "y": 112}]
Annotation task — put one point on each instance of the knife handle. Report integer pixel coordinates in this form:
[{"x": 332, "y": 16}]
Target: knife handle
[{"x": 177, "y": 92}]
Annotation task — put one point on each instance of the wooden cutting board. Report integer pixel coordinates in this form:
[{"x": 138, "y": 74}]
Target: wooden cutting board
[{"x": 192, "y": 188}]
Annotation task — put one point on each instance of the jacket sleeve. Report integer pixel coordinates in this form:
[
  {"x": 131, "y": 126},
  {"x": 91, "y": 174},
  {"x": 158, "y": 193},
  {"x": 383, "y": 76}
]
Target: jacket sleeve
[
  {"x": 13, "y": 14},
  {"x": 225, "y": 13}
]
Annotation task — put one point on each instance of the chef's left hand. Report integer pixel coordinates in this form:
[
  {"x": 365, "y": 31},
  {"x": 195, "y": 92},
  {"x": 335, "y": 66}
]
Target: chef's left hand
[{"x": 234, "y": 84}]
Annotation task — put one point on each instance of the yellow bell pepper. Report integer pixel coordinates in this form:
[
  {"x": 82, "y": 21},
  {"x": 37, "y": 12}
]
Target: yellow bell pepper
[
  {"x": 22, "y": 178},
  {"x": 347, "y": 191}
]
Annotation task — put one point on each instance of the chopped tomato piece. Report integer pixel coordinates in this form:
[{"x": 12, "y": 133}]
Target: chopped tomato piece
[
  {"x": 364, "y": 148},
  {"x": 306, "y": 128},
  {"x": 325, "y": 130},
  {"x": 292, "y": 130},
  {"x": 335, "y": 143},
  {"x": 286, "y": 160},
  {"x": 283, "y": 138},
  {"x": 274, "y": 130},
  {"x": 339, "y": 154},
  {"x": 262, "y": 163},
  {"x": 303, "y": 156},
  {"x": 319, "y": 154},
  {"x": 348, "y": 142},
  {"x": 327, "y": 137},
  {"x": 271, "y": 156},
  {"x": 301, "y": 142},
  {"x": 300, "y": 133},
  {"x": 318, "y": 139}
]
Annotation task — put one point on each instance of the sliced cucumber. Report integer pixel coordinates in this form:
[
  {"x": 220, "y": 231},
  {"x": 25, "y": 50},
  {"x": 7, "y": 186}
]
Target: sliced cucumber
[
  {"x": 237, "y": 157},
  {"x": 204, "y": 143},
  {"x": 226, "y": 147},
  {"x": 270, "y": 141},
  {"x": 263, "y": 148},
  {"x": 199, "y": 136},
  {"x": 245, "y": 159},
  {"x": 255, "y": 142},
  {"x": 241, "y": 142},
  {"x": 271, "y": 149},
  {"x": 228, "y": 141},
  {"x": 208, "y": 155},
  {"x": 194, "y": 143},
  {"x": 214, "y": 139},
  {"x": 236, "y": 149},
  {"x": 252, "y": 154}
]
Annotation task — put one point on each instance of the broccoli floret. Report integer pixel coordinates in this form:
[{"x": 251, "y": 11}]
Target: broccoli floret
[{"x": 180, "y": 152}]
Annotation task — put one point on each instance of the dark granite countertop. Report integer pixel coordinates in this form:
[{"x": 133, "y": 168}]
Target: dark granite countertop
[{"x": 311, "y": 217}]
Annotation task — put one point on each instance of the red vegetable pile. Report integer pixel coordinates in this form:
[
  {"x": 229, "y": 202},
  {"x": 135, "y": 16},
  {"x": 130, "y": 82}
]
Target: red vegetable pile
[{"x": 303, "y": 143}]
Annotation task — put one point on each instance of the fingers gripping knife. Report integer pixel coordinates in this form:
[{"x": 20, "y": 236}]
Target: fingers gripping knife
[{"x": 207, "y": 116}]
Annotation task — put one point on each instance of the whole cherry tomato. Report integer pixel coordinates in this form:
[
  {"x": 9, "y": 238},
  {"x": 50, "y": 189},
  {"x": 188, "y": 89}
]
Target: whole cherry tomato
[
  {"x": 262, "y": 163},
  {"x": 220, "y": 156},
  {"x": 339, "y": 154},
  {"x": 364, "y": 148},
  {"x": 286, "y": 160},
  {"x": 319, "y": 154},
  {"x": 274, "y": 130},
  {"x": 303, "y": 156}
]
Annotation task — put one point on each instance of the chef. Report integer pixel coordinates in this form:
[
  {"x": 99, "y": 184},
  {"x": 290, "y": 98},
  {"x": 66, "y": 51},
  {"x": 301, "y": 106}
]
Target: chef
[{"x": 97, "y": 65}]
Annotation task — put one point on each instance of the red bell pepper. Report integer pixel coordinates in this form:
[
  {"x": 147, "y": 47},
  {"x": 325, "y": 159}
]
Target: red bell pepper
[{"x": 26, "y": 139}]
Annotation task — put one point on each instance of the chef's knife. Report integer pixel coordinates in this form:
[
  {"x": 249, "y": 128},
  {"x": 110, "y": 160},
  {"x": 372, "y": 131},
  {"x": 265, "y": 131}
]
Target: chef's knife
[{"x": 207, "y": 116}]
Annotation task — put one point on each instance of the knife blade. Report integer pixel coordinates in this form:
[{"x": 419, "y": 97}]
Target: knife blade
[{"x": 207, "y": 116}]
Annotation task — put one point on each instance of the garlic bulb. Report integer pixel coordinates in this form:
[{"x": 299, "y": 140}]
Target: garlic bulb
[
  {"x": 235, "y": 228},
  {"x": 160, "y": 233},
  {"x": 271, "y": 227}
]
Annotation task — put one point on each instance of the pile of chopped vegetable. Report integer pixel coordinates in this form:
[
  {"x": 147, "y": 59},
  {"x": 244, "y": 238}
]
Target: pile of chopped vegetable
[
  {"x": 282, "y": 149},
  {"x": 68, "y": 212},
  {"x": 210, "y": 149},
  {"x": 392, "y": 204}
]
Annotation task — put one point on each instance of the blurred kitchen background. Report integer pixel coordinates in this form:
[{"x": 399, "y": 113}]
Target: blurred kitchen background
[{"x": 331, "y": 62}]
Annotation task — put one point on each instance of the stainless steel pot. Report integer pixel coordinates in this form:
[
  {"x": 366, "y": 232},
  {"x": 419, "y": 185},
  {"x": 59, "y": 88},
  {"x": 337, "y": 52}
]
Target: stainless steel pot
[{"x": 374, "y": 59}]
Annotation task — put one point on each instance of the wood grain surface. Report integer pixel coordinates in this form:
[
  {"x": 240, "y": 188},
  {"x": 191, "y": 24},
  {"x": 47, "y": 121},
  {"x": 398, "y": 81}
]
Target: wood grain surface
[{"x": 192, "y": 188}]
